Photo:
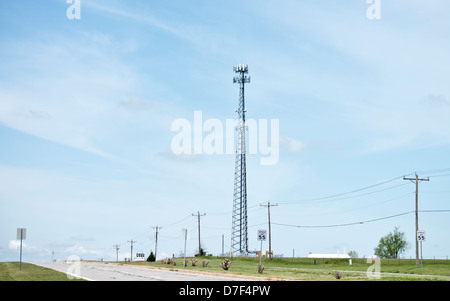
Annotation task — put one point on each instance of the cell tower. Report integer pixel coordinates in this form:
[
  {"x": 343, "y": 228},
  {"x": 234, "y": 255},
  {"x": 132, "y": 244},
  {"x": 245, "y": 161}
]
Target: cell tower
[{"x": 239, "y": 238}]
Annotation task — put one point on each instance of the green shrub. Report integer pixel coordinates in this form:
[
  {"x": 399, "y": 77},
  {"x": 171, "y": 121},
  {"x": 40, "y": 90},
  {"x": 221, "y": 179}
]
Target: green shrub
[{"x": 151, "y": 257}]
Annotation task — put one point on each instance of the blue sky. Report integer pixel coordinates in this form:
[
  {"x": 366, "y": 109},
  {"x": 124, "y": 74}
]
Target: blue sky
[{"x": 86, "y": 108}]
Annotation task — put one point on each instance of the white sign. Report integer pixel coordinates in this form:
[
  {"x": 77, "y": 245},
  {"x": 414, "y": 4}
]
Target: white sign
[
  {"x": 420, "y": 235},
  {"x": 21, "y": 233},
  {"x": 185, "y": 234},
  {"x": 262, "y": 235}
]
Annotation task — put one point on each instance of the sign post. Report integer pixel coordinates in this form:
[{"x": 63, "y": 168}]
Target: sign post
[
  {"x": 185, "y": 237},
  {"x": 261, "y": 237},
  {"x": 420, "y": 238},
  {"x": 22, "y": 235}
]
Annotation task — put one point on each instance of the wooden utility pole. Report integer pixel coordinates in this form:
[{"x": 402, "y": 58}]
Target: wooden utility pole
[
  {"x": 156, "y": 238},
  {"x": 117, "y": 251},
  {"x": 270, "y": 239},
  {"x": 132, "y": 242},
  {"x": 198, "y": 215},
  {"x": 417, "y": 180}
]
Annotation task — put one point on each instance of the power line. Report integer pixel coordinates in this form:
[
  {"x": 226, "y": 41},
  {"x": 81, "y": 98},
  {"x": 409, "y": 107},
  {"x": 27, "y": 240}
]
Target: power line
[
  {"x": 358, "y": 208},
  {"x": 328, "y": 199},
  {"x": 349, "y": 192},
  {"x": 434, "y": 171},
  {"x": 443, "y": 172},
  {"x": 358, "y": 223},
  {"x": 334, "y": 196},
  {"x": 346, "y": 224},
  {"x": 177, "y": 222}
]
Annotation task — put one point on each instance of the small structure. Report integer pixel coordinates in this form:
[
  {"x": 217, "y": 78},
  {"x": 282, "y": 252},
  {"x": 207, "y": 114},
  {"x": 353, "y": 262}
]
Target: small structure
[{"x": 329, "y": 256}]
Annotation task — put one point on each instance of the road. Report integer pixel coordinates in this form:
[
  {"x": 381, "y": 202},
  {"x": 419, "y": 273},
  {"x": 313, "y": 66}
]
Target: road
[{"x": 110, "y": 272}]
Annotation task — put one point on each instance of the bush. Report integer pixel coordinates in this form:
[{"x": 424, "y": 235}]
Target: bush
[
  {"x": 151, "y": 257},
  {"x": 201, "y": 252},
  {"x": 226, "y": 264},
  {"x": 338, "y": 274}
]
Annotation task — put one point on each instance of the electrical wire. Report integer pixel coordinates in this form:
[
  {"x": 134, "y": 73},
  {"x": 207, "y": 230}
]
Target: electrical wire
[
  {"x": 358, "y": 223},
  {"x": 315, "y": 200},
  {"x": 332, "y": 198},
  {"x": 329, "y": 198}
]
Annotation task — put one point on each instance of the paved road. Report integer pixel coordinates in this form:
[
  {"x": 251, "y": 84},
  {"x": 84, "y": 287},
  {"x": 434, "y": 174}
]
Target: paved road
[{"x": 109, "y": 272}]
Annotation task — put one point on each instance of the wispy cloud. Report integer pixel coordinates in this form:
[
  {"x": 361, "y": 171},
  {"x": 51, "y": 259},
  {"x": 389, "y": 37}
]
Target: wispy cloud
[
  {"x": 291, "y": 145},
  {"x": 15, "y": 245},
  {"x": 67, "y": 92},
  {"x": 374, "y": 73},
  {"x": 147, "y": 18}
]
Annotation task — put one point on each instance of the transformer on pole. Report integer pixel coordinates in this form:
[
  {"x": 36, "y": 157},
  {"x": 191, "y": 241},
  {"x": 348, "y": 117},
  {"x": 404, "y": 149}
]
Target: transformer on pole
[{"x": 239, "y": 237}]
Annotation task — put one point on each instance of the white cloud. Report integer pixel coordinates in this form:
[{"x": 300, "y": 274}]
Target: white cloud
[
  {"x": 75, "y": 94},
  {"x": 80, "y": 250},
  {"x": 15, "y": 245},
  {"x": 70, "y": 90},
  {"x": 390, "y": 66},
  {"x": 148, "y": 19},
  {"x": 291, "y": 145},
  {"x": 83, "y": 238}
]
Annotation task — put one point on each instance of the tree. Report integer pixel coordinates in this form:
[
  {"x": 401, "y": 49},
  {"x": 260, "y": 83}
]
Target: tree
[
  {"x": 353, "y": 254},
  {"x": 151, "y": 257},
  {"x": 202, "y": 252},
  {"x": 391, "y": 245}
]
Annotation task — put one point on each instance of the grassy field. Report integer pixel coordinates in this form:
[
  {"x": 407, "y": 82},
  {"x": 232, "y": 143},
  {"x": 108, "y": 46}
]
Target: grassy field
[
  {"x": 9, "y": 271},
  {"x": 319, "y": 269},
  {"x": 276, "y": 269}
]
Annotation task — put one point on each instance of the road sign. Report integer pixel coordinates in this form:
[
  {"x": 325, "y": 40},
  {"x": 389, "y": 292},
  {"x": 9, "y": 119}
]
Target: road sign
[
  {"x": 21, "y": 233},
  {"x": 185, "y": 234},
  {"x": 420, "y": 238},
  {"x": 262, "y": 235},
  {"x": 420, "y": 235}
]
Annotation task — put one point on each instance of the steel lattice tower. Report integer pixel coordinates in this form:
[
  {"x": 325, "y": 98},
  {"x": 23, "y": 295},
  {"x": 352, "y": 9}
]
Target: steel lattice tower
[{"x": 239, "y": 238}]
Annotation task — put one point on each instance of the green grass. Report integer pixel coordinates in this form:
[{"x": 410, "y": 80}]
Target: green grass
[
  {"x": 9, "y": 271},
  {"x": 276, "y": 269},
  {"x": 322, "y": 269}
]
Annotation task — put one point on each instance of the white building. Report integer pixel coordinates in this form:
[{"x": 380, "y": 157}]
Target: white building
[{"x": 329, "y": 256}]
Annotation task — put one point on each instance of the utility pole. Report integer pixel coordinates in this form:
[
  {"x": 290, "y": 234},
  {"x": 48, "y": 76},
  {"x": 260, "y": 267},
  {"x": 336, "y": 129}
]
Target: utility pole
[
  {"x": 268, "y": 213},
  {"x": 417, "y": 180},
  {"x": 198, "y": 215},
  {"x": 132, "y": 242},
  {"x": 117, "y": 252},
  {"x": 156, "y": 239}
]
